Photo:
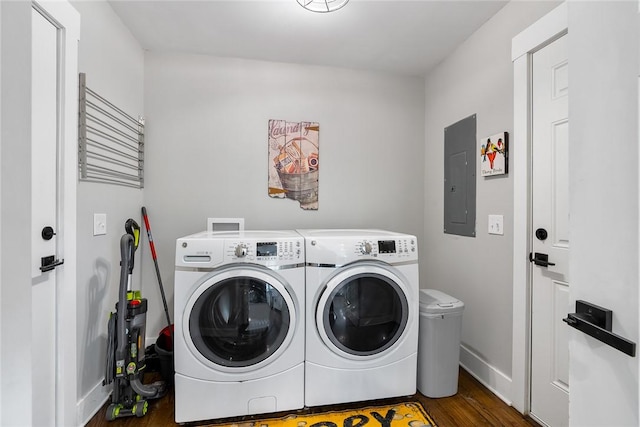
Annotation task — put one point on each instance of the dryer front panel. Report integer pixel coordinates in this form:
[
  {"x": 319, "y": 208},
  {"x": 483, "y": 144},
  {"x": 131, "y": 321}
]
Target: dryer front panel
[
  {"x": 239, "y": 319},
  {"x": 363, "y": 311}
]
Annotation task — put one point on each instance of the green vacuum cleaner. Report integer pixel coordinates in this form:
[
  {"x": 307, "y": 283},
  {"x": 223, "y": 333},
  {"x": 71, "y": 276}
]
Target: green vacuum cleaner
[{"x": 125, "y": 345}]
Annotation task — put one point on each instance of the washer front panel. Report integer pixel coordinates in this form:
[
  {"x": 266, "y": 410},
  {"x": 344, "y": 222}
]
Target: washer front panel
[
  {"x": 239, "y": 318},
  {"x": 362, "y": 310}
]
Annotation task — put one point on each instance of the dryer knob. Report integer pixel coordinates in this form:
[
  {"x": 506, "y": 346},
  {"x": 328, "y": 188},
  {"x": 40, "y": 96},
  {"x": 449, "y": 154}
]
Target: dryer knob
[
  {"x": 366, "y": 248},
  {"x": 241, "y": 251}
]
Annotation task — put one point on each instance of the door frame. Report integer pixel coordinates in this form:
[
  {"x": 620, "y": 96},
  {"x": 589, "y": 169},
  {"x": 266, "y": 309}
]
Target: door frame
[
  {"x": 67, "y": 20},
  {"x": 544, "y": 31}
]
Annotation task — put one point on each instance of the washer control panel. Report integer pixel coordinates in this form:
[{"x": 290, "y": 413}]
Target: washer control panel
[{"x": 268, "y": 248}]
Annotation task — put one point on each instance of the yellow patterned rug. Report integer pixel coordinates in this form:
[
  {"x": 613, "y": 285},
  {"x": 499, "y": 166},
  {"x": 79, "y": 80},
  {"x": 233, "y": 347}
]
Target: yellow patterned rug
[{"x": 404, "y": 414}]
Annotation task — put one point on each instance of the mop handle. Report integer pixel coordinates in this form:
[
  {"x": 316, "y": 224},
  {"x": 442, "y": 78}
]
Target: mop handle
[{"x": 155, "y": 263}]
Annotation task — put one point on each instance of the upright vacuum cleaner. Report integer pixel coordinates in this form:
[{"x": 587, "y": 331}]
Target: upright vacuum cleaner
[{"x": 126, "y": 335}]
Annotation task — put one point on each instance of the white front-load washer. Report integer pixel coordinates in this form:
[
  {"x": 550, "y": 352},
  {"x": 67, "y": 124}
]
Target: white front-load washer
[
  {"x": 362, "y": 310},
  {"x": 239, "y": 324}
]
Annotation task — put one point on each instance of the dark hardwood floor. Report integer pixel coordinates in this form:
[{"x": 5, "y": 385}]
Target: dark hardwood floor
[{"x": 473, "y": 405}]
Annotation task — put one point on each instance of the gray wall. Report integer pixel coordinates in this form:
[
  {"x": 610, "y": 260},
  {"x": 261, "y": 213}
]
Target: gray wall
[
  {"x": 113, "y": 62},
  {"x": 207, "y": 149},
  {"x": 603, "y": 107},
  {"x": 476, "y": 79}
]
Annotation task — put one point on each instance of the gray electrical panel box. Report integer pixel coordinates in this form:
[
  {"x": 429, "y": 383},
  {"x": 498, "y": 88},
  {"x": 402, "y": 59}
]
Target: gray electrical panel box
[{"x": 460, "y": 177}]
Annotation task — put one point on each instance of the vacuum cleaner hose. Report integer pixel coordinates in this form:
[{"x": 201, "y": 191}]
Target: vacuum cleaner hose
[{"x": 148, "y": 391}]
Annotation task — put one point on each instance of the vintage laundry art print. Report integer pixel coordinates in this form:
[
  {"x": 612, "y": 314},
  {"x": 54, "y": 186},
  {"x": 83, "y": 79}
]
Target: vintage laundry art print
[
  {"x": 494, "y": 154},
  {"x": 294, "y": 161}
]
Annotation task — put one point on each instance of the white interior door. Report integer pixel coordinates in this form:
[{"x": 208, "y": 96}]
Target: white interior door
[
  {"x": 550, "y": 224},
  {"x": 44, "y": 196}
]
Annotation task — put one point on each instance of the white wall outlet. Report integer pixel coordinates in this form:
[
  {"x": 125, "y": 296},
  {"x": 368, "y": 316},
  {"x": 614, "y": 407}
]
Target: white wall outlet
[
  {"x": 496, "y": 224},
  {"x": 99, "y": 224}
]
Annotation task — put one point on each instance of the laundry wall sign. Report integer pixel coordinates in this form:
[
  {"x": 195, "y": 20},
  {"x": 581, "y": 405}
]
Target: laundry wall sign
[
  {"x": 294, "y": 161},
  {"x": 494, "y": 154}
]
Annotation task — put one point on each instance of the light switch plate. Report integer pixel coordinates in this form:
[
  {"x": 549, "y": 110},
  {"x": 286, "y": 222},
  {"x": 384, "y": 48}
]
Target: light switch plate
[
  {"x": 496, "y": 224},
  {"x": 99, "y": 224}
]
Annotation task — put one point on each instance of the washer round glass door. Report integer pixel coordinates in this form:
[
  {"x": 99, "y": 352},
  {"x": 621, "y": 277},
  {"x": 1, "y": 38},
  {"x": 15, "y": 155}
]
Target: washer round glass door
[
  {"x": 240, "y": 318},
  {"x": 363, "y": 310}
]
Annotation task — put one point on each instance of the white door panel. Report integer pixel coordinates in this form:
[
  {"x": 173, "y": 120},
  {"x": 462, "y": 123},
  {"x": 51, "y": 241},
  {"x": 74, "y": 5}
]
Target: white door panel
[
  {"x": 44, "y": 147},
  {"x": 550, "y": 212}
]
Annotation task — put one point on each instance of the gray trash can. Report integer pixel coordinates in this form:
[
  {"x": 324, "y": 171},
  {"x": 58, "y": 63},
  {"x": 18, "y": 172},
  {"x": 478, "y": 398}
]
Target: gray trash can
[{"x": 439, "y": 343}]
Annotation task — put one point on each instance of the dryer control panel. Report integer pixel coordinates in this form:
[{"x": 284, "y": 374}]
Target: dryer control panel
[
  {"x": 394, "y": 248},
  {"x": 335, "y": 247}
]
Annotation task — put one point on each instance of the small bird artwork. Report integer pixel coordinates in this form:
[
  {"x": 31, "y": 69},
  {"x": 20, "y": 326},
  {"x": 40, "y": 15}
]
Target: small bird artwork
[{"x": 495, "y": 152}]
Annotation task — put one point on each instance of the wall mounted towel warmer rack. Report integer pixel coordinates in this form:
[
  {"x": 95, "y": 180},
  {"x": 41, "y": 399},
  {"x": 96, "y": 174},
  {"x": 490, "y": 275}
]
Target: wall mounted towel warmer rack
[{"x": 110, "y": 141}]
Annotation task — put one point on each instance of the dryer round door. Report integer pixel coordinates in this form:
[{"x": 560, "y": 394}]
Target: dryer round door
[
  {"x": 363, "y": 310},
  {"x": 239, "y": 319}
]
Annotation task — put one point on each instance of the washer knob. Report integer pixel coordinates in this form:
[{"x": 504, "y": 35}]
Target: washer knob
[
  {"x": 241, "y": 251},
  {"x": 366, "y": 248}
]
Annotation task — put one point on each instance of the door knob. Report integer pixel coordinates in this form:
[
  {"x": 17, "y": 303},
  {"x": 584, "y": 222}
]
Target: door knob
[
  {"x": 541, "y": 234},
  {"x": 540, "y": 259},
  {"x": 47, "y": 233}
]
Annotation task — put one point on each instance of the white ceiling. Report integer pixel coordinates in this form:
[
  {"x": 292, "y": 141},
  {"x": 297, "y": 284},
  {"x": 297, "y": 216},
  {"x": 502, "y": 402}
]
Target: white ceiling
[{"x": 400, "y": 37}]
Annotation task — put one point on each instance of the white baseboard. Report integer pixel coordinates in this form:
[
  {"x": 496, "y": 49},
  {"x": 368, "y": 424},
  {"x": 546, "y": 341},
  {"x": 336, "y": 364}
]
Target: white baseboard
[
  {"x": 89, "y": 405},
  {"x": 490, "y": 377}
]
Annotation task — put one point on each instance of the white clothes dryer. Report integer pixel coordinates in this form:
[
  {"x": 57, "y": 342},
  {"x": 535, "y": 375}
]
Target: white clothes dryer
[
  {"x": 239, "y": 324},
  {"x": 362, "y": 310}
]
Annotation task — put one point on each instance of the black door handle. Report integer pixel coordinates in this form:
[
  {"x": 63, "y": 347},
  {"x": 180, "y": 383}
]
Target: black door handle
[
  {"x": 48, "y": 263},
  {"x": 540, "y": 259}
]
